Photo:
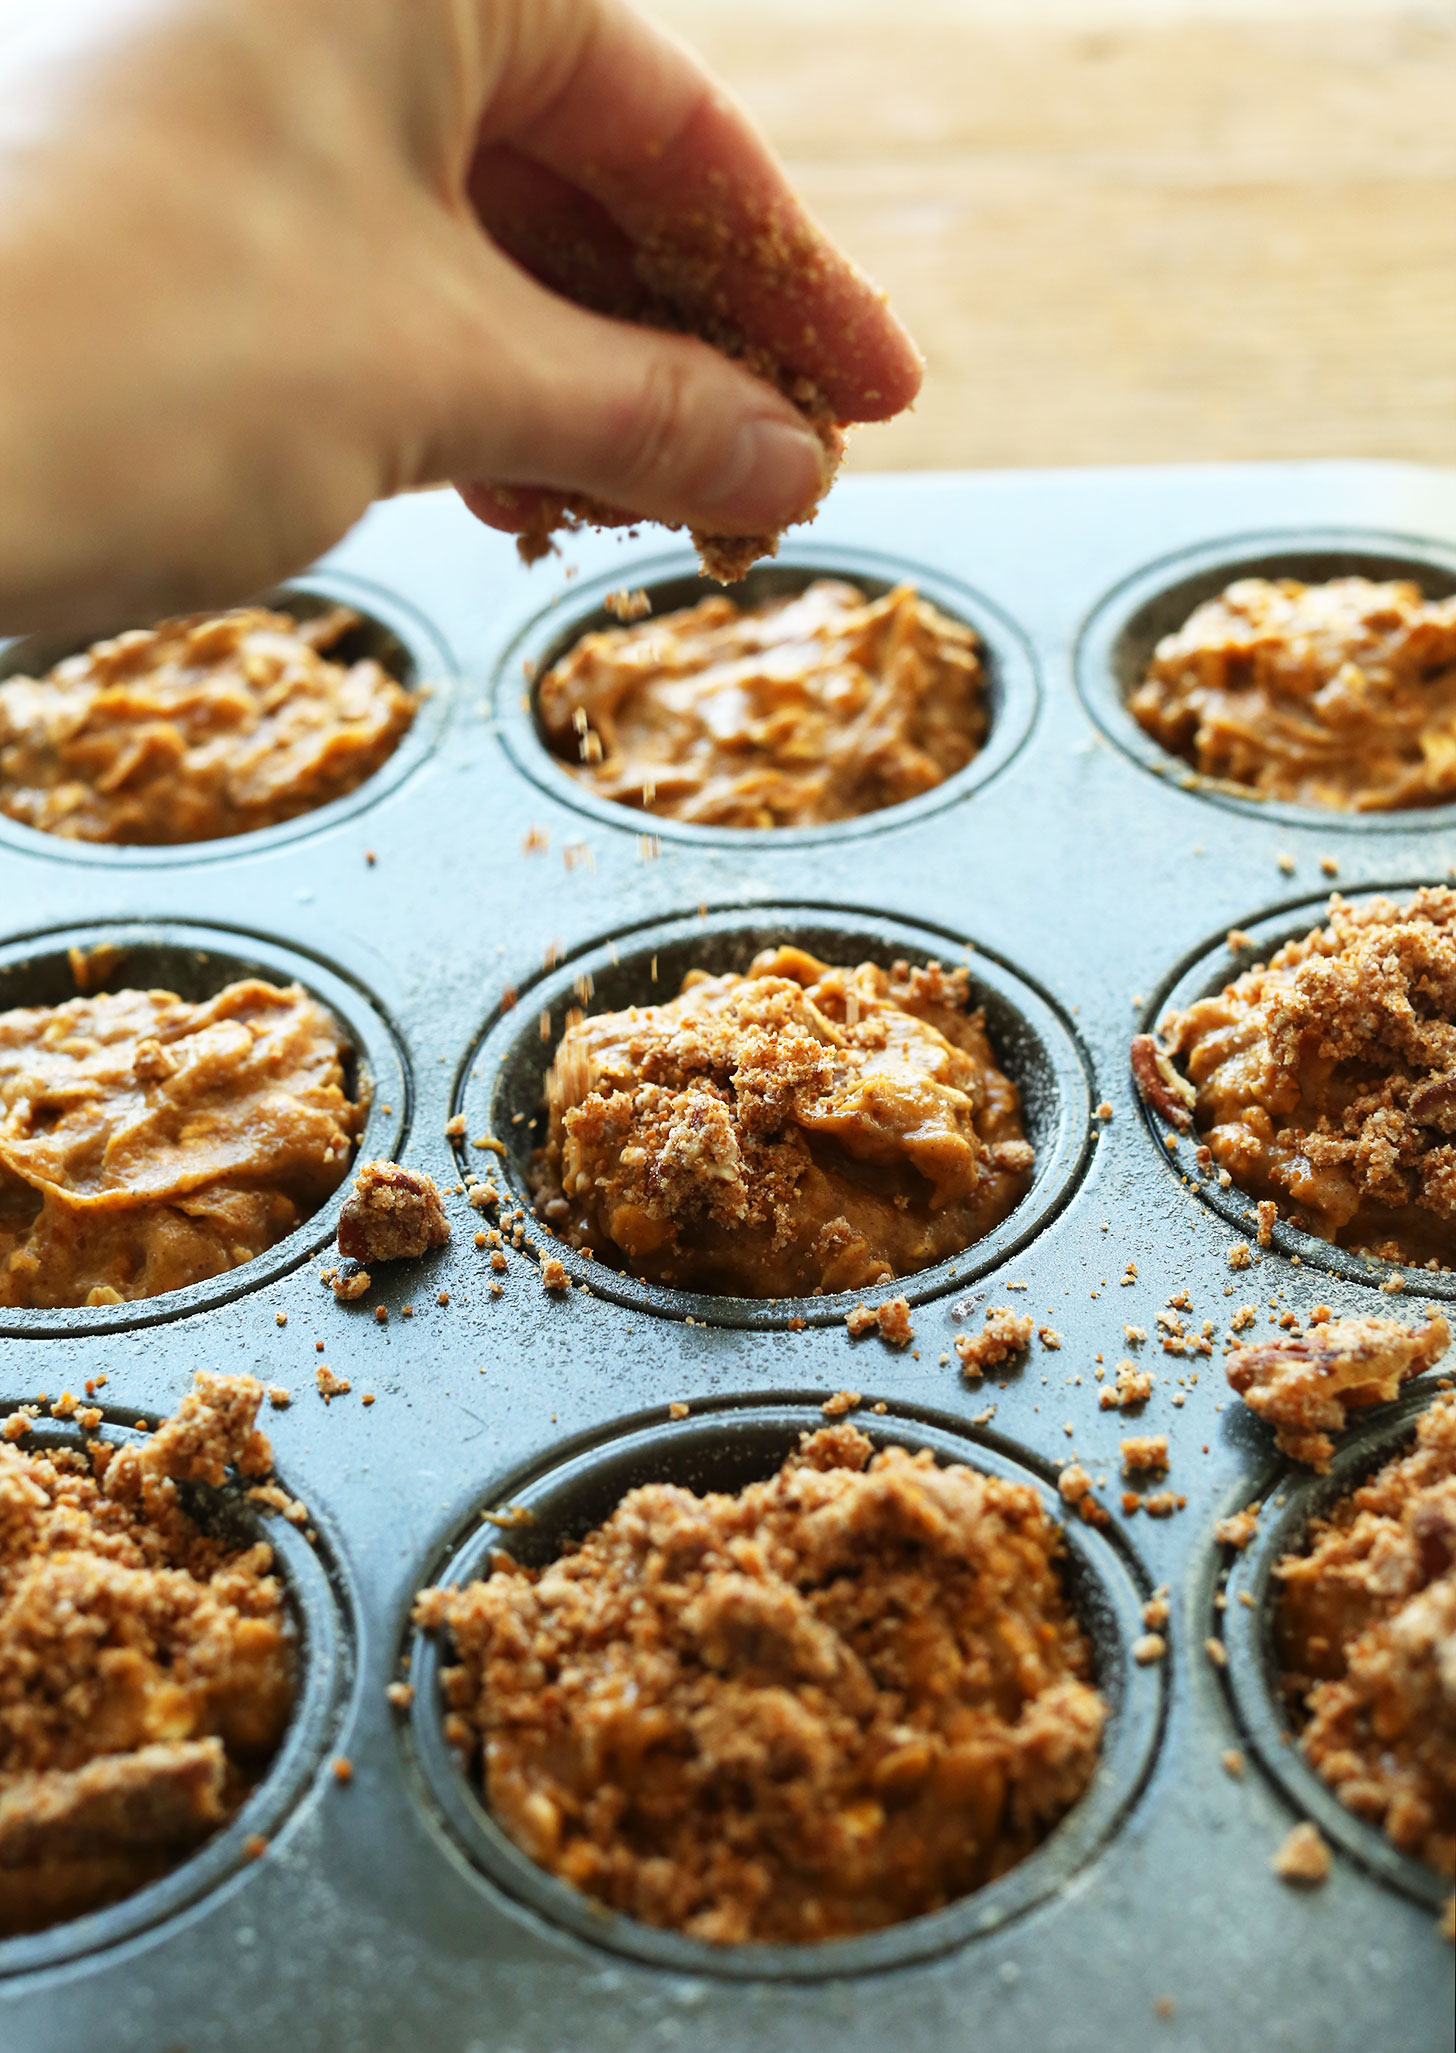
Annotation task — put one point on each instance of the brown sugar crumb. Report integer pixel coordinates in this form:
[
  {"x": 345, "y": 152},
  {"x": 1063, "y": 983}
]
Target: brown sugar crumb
[
  {"x": 1006, "y": 1332},
  {"x": 794, "y": 711},
  {"x": 254, "y": 1847},
  {"x": 1149, "y": 1647},
  {"x": 797, "y": 1129},
  {"x": 342, "y": 1768},
  {"x": 1164, "y": 2007},
  {"x": 1268, "y": 1213},
  {"x": 1049, "y": 1337},
  {"x": 330, "y": 1385},
  {"x": 1366, "y": 1632},
  {"x": 1144, "y": 1451},
  {"x": 1240, "y": 1255},
  {"x": 392, "y": 1214},
  {"x": 1339, "y": 694},
  {"x": 381, "y": 1315},
  {"x": 1303, "y": 1857},
  {"x": 278, "y": 1397},
  {"x": 197, "y": 729},
  {"x": 400, "y": 1694},
  {"x": 1232, "y": 1761},
  {"x": 147, "y": 1143},
  {"x": 677, "y": 1409},
  {"x": 146, "y": 1665},
  {"x": 1159, "y": 1085},
  {"x": 1305, "y": 1384},
  {"x": 1237, "y": 1530},
  {"x": 554, "y": 1275},
  {"x": 1216, "y": 1651},
  {"x": 1133, "y": 1386},
  {"x": 893, "y": 1320},
  {"x": 348, "y": 1289},
  {"x": 1325, "y": 1081},
  {"x": 1156, "y": 1612},
  {"x": 280, "y": 1318},
  {"x": 842, "y": 1401},
  {"x": 767, "y": 1637},
  {"x": 1243, "y": 1318},
  {"x": 455, "y": 1127}
]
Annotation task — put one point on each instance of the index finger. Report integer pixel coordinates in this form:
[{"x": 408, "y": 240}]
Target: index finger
[{"x": 630, "y": 117}]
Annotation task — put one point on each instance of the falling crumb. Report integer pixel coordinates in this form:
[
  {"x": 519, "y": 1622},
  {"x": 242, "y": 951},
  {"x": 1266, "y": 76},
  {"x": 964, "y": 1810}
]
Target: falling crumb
[
  {"x": 1149, "y": 1647},
  {"x": 842, "y": 1401},
  {"x": 343, "y": 1768},
  {"x": 1303, "y": 1858},
  {"x": 1216, "y": 1651},
  {"x": 347, "y": 1288},
  {"x": 634, "y": 605}
]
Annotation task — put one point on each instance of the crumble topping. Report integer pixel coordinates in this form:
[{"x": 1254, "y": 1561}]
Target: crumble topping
[
  {"x": 146, "y": 1666},
  {"x": 1304, "y": 1384},
  {"x": 797, "y": 1129},
  {"x": 1006, "y": 1332},
  {"x": 840, "y": 1698},
  {"x": 393, "y": 1214},
  {"x": 1366, "y": 1624},
  {"x": 1325, "y": 1081}
]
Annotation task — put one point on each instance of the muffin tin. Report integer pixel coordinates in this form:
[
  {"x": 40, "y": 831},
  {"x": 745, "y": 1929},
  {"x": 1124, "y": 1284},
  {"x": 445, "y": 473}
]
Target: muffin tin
[{"x": 472, "y": 891}]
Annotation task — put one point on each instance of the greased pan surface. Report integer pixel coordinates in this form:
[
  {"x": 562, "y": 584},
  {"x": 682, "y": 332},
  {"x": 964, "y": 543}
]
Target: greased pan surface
[{"x": 1081, "y": 882}]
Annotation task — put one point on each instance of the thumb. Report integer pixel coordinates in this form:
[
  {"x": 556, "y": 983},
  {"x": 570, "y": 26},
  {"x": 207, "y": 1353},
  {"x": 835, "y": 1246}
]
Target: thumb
[{"x": 661, "y": 426}]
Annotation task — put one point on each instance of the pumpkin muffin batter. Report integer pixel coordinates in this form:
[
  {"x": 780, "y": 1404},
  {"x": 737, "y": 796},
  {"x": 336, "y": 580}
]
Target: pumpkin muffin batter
[
  {"x": 1325, "y": 1081},
  {"x": 146, "y": 1143},
  {"x": 798, "y": 1129},
  {"x": 1367, "y": 1638},
  {"x": 146, "y": 1667},
  {"x": 196, "y": 729},
  {"x": 1340, "y": 694},
  {"x": 820, "y": 706},
  {"x": 843, "y": 1697}
]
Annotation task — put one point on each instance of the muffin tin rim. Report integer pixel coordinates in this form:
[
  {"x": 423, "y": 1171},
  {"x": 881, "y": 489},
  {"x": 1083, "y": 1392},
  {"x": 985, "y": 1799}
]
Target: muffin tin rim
[
  {"x": 323, "y": 1613},
  {"x": 383, "y": 1062},
  {"x": 1102, "y": 693},
  {"x": 1014, "y": 680},
  {"x": 1139, "y": 1703},
  {"x": 1191, "y": 979},
  {"x": 1294, "y": 1497},
  {"x": 1056, "y": 1178},
  {"x": 435, "y": 690}
]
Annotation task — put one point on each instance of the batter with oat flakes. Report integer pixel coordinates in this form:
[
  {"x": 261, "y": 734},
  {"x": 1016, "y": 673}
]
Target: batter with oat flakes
[
  {"x": 801, "y": 1128},
  {"x": 798, "y": 710}
]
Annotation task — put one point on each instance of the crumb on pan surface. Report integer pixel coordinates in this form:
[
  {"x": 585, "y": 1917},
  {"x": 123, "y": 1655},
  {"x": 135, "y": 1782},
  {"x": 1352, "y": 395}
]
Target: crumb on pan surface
[
  {"x": 796, "y": 1129},
  {"x": 147, "y": 1143},
  {"x": 1366, "y": 1625},
  {"x": 819, "y": 706},
  {"x": 1304, "y": 1384},
  {"x": 392, "y": 1214},
  {"x": 1325, "y": 1081},
  {"x": 146, "y": 1667},
  {"x": 197, "y": 729},
  {"x": 843, "y": 1697},
  {"x": 1005, "y": 1333},
  {"x": 1340, "y": 694}
]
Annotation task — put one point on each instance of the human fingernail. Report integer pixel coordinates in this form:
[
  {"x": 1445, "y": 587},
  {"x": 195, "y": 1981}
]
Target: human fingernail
[{"x": 773, "y": 474}]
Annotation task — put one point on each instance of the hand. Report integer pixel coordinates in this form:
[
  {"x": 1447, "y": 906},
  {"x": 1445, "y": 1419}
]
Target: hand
[{"x": 265, "y": 261}]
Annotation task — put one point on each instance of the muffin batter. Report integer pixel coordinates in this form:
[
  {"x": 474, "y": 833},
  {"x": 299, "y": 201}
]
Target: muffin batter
[
  {"x": 1340, "y": 694},
  {"x": 1367, "y": 1637},
  {"x": 1325, "y": 1082},
  {"x": 146, "y": 1143},
  {"x": 799, "y": 710},
  {"x": 196, "y": 729},
  {"x": 798, "y": 1129},
  {"x": 843, "y": 1697},
  {"x": 146, "y": 1668}
]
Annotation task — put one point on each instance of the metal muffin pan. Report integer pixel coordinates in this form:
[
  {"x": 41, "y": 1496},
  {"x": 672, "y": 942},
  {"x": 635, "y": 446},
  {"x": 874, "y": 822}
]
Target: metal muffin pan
[{"x": 385, "y": 1914}]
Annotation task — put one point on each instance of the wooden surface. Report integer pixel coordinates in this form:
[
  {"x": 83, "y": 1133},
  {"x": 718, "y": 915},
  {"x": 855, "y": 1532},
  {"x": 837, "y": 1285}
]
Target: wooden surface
[{"x": 1141, "y": 236}]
